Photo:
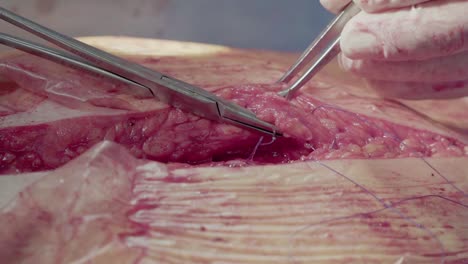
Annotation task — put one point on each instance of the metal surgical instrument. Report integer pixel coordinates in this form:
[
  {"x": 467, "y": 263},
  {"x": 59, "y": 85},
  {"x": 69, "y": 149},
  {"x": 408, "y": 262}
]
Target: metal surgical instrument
[
  {"x": 165, "y": 88},
  {"x": 319, "y": 53}
]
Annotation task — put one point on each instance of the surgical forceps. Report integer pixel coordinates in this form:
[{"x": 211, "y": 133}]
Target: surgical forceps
[
  {"x": 167, "y": 89},
  {"x": 319, "y": 53}
]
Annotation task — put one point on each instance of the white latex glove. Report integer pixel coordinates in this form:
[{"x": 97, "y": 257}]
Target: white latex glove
[{"x": 413, "y": 49}]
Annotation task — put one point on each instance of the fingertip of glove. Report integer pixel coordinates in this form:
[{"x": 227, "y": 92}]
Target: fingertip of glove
[
  {"x": 357, "y": 42},
  {"x": 377, "y": 6},
  {"x": 345, "y": 63},
  {"x": 334, "y": 6}
]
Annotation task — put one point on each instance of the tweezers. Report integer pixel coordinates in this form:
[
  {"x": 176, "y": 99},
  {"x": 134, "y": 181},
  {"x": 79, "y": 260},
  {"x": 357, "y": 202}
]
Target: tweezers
[
  {"x": 319, "y": 53},
  {"x": 165, "y": 88}
]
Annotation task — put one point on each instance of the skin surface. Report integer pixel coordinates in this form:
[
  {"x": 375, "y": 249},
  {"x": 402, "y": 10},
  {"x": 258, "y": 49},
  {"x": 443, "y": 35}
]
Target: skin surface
[
  {"x": 108, "y": 207},
  {"x": 111, "y": 208}
]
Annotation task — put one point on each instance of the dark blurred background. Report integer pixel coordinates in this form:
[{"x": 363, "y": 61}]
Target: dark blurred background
[{"x": 287, "y": 25}]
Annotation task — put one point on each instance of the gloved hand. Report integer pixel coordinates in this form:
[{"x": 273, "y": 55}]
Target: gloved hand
[{"x": 413, "y": 49}]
